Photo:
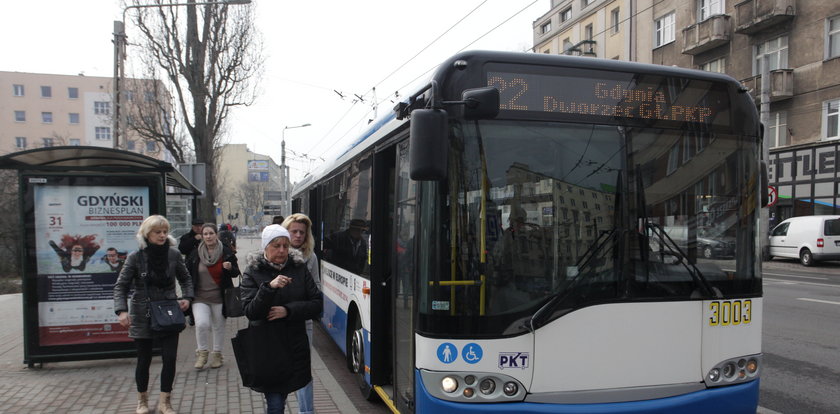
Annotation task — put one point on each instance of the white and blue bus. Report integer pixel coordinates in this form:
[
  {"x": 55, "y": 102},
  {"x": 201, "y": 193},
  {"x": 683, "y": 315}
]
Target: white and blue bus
[{"x": 531, "y": 234}]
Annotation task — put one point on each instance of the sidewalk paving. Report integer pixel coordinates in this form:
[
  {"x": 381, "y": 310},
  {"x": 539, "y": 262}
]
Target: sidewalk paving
[{"x": 107, "y": 386}]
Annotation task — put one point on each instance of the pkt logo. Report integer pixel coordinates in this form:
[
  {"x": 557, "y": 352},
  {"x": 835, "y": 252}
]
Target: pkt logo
[{"x": 513, "y": 360}]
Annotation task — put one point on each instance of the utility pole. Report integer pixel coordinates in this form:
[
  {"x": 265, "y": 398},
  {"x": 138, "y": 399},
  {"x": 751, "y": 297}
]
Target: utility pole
[{"x": 119, "y": 71}]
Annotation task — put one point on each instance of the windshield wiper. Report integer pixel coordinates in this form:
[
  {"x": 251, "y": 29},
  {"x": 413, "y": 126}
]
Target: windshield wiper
[
  {"x": 582, "y": 263},
  {"x": 666, "y": 242}
]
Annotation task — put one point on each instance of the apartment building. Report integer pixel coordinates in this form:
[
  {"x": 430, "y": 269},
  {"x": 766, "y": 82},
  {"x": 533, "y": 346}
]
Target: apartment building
[
  {"x": 798, "y": 40},
  {"x": 247, "y": 183},
  {"x": 44, "y": 110}
]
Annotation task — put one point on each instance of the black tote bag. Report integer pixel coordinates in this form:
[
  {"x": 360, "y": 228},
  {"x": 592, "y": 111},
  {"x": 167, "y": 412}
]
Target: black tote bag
[
  {"x": 262, "y": 354},
  {"x": 233, "y": 302}
]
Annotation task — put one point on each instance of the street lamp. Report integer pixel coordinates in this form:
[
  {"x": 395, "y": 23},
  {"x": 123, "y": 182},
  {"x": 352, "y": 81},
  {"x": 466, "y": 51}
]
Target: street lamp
[
  {"x": 120, "y": 40},
  {"x": 284, "y": 170}
]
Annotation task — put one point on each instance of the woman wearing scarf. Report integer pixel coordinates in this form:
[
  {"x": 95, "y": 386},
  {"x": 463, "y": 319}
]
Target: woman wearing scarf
[
  {"x": 279, "y": 293},
  {"x": 152, "y": 272},
  {"x": 212, "y": 265}
]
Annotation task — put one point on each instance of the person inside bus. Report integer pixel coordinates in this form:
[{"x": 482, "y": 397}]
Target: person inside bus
[
  {"x": 348, "y": 248},
  {"x": 277, "y": 289}
]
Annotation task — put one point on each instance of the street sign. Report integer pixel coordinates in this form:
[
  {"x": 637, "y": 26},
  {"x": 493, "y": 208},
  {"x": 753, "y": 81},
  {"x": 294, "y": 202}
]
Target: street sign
[{"x": 773, "y": 196}]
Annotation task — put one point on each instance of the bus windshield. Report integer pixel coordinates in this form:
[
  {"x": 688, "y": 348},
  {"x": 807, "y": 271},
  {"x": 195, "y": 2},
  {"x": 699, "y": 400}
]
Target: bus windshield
[{"x": 552, "y": 217}]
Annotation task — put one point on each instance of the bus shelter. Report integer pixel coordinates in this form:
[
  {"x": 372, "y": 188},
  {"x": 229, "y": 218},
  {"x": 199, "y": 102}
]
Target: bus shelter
[{"x": 80, "y": 208}]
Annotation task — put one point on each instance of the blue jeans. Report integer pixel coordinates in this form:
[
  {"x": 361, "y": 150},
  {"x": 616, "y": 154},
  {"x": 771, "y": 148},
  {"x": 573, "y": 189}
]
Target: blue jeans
[
  {"x": 275, "y": 403},
  {"x": 305, "y": 398}
]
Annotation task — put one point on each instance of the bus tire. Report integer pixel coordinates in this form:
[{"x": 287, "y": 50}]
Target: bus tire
[{"x": 356, "y": 356}]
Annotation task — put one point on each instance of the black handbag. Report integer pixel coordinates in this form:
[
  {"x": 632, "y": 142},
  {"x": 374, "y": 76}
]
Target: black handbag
[
  {"x": 164, "y": 315},
  {"x": 233, "y": 302},
  {"x": 262, "y": 354}
]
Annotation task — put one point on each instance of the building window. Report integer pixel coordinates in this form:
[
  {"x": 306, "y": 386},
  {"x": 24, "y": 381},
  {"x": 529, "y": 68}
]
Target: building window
[
  {"x": 130, "y": 145},
  {"x": 615, "y": 20},
  {"x": 673, "y": 159},
  {"x": 777, "y": 130},
  {"x": 832, "y": 44},
  {"x": 20, "y": 142},
  {"x": 73, "y": 93},
  {"x": 103, "y": 133},
  {"x": 48, "y": 142},
  {"x": 588, "y": 32},
  {"x": 18, "y": 90},
  {"x": 46, "y": 117},
  {"x": 717, "y": 65},
  {"x": 46, "y": 91},
  {"x": 74, "y": 118},
  {"x": 709, "y": 8},
  {"x": 776, "y": 51},
  {"x": 151, "y": 146},
  {"x": 567, "y": 44},
  {"x": 547, "y": 51},
  {"x": 75, "y": 142},
  {"x": 20, "y": 116},
  {"x": 129, "y": 96},
  {"x": 102, "y": 108},
  {"x": 566, "y": 15},
  {"x": 664, "y": 30},
  {"x": 150, "y": 97},
  {"x": 545, "y": 28},
  {"x": 831, "y": 119},
  {"x": 584, "y": 3}
]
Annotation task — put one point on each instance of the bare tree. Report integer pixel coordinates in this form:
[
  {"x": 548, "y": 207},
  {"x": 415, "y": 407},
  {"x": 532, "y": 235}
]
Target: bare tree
[
  {"x": 251, "y": 197},
  {"x": 211, "y": 56},
  {"x": 10, "y": 240}
]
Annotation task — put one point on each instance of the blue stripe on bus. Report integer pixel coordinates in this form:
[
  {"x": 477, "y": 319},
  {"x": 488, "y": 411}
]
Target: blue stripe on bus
[
  {"x": 734, "y": 399},
  {"x": 336, "y": 317},
  {"x": 334, "y": 320}
]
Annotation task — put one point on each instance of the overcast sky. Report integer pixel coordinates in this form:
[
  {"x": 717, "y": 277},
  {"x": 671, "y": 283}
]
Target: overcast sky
[{"x": 312, "y": 49}]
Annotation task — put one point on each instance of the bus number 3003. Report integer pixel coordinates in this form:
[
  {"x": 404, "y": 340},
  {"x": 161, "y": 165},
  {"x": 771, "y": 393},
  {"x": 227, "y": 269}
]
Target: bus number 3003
[{"x": 725, "y": 313}]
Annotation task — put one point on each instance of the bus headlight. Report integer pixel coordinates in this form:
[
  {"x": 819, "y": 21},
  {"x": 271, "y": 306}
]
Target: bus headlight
[
  {"x": 487, "y": 386},
  {"x": 734, "y": 371},
  {"x": 510, "y": 388},
  {"x": 449, "y": 384},
  {"x": 473, "y": 387}
]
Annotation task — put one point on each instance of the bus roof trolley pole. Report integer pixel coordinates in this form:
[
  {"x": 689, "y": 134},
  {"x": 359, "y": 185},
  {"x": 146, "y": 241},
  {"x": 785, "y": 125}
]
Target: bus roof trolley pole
[{"x": 428, "y": 133}]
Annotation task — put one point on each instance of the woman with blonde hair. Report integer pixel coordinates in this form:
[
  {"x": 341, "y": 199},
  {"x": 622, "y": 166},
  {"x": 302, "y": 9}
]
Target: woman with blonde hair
[
  {"x": 152, "y": 272},
  {"x": 300, "y": 229}
]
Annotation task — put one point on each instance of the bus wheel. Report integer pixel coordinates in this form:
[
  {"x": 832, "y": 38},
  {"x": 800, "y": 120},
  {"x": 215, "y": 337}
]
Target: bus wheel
[
  {"x": 356, "y": 358},
  {"x": 806, "y": 258}
]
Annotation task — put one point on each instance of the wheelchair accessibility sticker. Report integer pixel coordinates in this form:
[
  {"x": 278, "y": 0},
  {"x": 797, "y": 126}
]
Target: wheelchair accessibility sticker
[
  {"x": 471, "y": 353},
  {"x": 447, "y": 353}
]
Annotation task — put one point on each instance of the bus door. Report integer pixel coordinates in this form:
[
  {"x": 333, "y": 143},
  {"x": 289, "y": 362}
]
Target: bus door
[
  {"x": 405, "y": 201},
  {"x": 381, "y": 275}
]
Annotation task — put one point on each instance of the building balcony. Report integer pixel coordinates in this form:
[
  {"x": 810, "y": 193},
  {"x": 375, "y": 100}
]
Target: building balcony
[
  {"x": 582, "y": 48},
  {"x": 752, "y": 16},
  {"x": 781, "y": 85},
  {"x": 706, "y": 35}
]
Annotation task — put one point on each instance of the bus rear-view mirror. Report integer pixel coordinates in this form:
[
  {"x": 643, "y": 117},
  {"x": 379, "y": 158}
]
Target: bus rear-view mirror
[
  {"x": 428, "y": 143},
  {"x": 481, "y": 103}
]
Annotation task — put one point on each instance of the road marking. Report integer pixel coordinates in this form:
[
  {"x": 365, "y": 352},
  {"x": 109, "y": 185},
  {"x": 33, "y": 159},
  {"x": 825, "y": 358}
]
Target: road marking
[
  {"x": 819, "y": 301},
  {"x": 792, "y": 282},
  {"x": 801, "y": 277}
]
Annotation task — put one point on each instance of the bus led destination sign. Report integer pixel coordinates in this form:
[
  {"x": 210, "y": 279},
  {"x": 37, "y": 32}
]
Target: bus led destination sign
[{"x": 577, "y": 95}]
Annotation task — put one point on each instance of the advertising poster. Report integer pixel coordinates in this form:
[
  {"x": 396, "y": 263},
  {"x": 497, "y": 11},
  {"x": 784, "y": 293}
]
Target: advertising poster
[{"x": 82, "y": 236}]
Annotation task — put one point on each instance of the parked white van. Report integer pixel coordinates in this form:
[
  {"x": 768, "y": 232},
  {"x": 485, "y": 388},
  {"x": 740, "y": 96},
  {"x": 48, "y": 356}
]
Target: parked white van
[{"x": 809, "y": 238}]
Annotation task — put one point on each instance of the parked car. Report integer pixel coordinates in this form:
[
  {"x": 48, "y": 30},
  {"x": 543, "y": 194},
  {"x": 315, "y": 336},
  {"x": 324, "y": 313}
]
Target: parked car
[
  {"x": 711, "y": 242},
  {"x": 808, "y": 238}
]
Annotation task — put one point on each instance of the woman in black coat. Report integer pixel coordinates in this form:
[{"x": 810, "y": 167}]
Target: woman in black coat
[
  {"x": 152, "y": 272},
  {"x": 278, "y": 290}
]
